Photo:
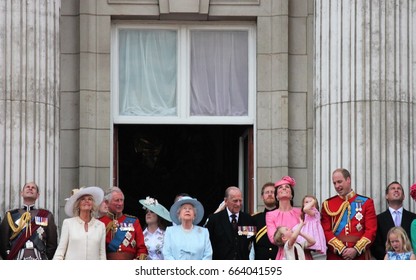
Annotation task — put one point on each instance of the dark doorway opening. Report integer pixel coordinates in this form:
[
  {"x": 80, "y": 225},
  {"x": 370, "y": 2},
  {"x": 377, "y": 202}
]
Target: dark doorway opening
[{"x": 161, "y": 161}]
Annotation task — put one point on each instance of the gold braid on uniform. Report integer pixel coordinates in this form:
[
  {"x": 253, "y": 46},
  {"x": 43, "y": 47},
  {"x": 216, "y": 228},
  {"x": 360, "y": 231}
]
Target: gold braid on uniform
[
  {"x": 361, "y": 244},
  {"x": 261, "y": 233},
  {"x": 142, "y": 257},
  {"x": 24, "y": 221},
  {"x": 340, "y": 211},
  {"x": 337, "y": 244},
  {"x": 111, "y": 226}
]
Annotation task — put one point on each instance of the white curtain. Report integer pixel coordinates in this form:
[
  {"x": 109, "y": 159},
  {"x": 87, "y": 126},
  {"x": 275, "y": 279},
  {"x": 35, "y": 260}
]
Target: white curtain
[
  {"x": 219, "y": 73},
  {"x": 147, "y": 72}
]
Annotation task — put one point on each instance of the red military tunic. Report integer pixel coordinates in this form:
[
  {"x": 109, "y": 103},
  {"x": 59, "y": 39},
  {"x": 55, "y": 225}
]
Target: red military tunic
[
  {"x": 131, "y": 240},
  {"x": 349, "y": 222}
]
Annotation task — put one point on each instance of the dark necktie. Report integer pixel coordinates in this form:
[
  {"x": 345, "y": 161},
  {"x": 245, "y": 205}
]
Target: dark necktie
[{"x": 234, "y": 221}]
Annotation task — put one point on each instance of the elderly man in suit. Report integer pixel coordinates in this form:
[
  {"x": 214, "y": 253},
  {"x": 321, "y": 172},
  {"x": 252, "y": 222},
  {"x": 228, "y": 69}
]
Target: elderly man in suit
[
  {"x": 395, "y": 215},
  {"x": 231, "y": 230}
]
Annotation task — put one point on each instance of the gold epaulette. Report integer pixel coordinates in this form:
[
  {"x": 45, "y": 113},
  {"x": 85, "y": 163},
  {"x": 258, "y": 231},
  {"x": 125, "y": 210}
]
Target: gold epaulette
[
  {"x": 131, "y": 216},
  {"x": 361, "y": 244},
  {"x": 337, "y": 244}
]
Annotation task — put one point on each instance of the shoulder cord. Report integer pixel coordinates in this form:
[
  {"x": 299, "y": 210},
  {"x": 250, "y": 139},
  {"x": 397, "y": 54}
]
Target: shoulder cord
[
  {"x": 24, "y": 221},
  {"x": 341, "y": 211}
]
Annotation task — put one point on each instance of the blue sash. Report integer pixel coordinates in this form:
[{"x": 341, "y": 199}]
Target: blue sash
[
  {"x": 119, "y": 236},
  {"x": 358, "y": 202}
]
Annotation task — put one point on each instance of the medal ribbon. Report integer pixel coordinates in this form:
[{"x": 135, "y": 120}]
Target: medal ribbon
[{"x": 119, "y": 236}]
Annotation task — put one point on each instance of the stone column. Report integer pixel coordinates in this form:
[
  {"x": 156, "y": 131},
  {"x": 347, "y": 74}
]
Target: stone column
[
  {"x": 365, "y": 81},
  {"x": 29, "y": 100}
]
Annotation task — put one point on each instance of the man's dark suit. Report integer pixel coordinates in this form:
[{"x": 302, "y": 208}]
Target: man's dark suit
[
  {"x": 384, "y": 224},
  {"x": 227, "y": 244}
]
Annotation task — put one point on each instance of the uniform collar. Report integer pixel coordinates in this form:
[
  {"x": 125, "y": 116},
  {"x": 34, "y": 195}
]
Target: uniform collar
[
  {"x": 28, "y": 207},
  {"x": 348, "y": 196}
]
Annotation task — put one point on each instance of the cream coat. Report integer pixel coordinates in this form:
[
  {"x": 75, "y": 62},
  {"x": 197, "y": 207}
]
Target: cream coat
[{"x": 76, "y": 244}]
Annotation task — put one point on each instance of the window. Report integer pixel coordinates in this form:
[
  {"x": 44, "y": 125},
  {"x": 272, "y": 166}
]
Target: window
[{"x": 183, "y": 73}]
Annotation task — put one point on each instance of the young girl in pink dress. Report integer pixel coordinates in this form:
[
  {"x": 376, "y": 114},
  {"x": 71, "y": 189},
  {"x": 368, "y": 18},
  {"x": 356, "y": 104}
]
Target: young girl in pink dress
[{"x": 313, "y": 227}]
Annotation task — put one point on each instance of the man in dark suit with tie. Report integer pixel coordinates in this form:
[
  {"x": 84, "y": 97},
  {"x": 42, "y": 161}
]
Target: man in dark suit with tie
[
  {"x": 395, "y": 215},
  {"x": 231, "y": 240}
]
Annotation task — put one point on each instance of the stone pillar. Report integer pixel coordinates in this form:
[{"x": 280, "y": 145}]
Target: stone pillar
[
  {"x": 29, "y": 100},
  {"x": 365, "y": 81}
]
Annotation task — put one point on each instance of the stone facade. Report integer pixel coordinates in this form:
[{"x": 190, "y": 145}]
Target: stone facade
[{"x": 302, "y": 61}]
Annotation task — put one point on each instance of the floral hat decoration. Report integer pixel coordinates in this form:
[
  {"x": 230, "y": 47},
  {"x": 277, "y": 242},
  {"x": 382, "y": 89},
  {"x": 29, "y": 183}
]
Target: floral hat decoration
[
  {"x": 413, "y": 191},
  {"x": 286, "y": 180},
  {"x": 157, "y": 208}
]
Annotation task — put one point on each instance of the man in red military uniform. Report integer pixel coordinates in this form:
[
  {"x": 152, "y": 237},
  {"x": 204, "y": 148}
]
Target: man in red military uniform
[
  {"x": 349, "y": 221},
  {"x": 124, "y": 239}
]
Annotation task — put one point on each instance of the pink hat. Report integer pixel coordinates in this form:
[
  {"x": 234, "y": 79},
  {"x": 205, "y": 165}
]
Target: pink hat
[
  {"x": 286, "y": 180},
  {"x": 413, "y": 191}
]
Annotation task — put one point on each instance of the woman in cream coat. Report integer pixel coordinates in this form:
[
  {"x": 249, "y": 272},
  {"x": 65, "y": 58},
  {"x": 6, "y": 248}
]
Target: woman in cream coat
[{"x": 82, "y": 236}]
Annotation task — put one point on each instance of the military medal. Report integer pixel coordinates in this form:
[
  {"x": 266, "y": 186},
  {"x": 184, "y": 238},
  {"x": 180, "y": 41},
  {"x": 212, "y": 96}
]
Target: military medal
[
  {"x": 128, "y": 235},
  {"x": 126, "y": 242},
  {"x": 358, "y": 207},
  {"x": 41, "y": 221},
  {"x": 130, "y": 227},
  {"x": 40, "y": 232},
  {"x": 248, "y": 231},
  {"x": 29, "y": 244},
  {"x": 359, "y": 227},
  {"x": 359, "y": 216}
]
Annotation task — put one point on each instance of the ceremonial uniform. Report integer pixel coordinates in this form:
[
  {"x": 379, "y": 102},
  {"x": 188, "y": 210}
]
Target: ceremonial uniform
[
  {"x": 349, "y": 222},
  {"x": 124, "y": 238},
  {"x": 263, "y": 248},
  {"x": 28, "y": 233}
]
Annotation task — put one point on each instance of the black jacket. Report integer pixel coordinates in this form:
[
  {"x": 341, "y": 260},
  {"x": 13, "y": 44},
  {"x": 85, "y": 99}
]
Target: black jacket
[{"x": 226, "y": 244}]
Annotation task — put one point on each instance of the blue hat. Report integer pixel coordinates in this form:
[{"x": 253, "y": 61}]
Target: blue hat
[
  {"x": 157, "y": 208},
  {"x": 187, "y": 200}
]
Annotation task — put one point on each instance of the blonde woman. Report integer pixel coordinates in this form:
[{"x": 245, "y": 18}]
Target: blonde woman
[{"x": 82, "y": 236}]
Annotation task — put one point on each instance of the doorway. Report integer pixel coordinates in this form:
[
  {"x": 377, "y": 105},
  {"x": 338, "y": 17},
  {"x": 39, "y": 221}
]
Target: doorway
[{"x": 161, "y": 161}]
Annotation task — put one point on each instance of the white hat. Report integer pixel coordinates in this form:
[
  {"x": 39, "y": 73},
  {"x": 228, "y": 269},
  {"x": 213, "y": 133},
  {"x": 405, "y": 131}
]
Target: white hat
[
  {"x": 96, "y": 192},
  {"x": 185, "y": 200},
  {"x": 154, "y": 206}
]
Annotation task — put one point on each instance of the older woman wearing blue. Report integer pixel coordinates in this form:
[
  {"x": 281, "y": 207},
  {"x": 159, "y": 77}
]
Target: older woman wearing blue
[{"x": 186, "y": 240}]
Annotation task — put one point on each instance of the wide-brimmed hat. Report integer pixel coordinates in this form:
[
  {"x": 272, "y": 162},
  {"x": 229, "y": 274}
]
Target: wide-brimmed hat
[
  {"x": 286, "y": 180},
  {"x": 157, "y": 208},
  {"x": 96, "y": 192},
  {"x": 185, "y": 200}
]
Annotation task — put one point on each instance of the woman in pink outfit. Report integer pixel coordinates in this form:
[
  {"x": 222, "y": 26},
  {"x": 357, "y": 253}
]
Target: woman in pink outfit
[{"x": 285, "y": 214}]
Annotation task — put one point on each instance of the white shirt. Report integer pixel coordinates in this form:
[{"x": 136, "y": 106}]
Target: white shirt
[
  {"x": 229, "y": 215},
  {"x": 394, "y": 214}
]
